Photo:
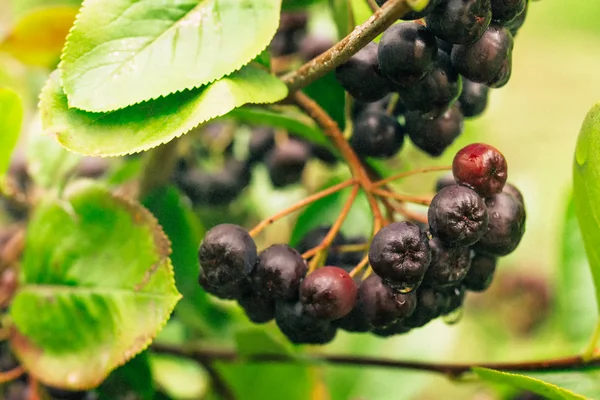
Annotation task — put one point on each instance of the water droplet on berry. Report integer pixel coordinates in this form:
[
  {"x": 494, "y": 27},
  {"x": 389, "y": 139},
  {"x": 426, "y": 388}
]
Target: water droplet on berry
[{"x": 453, "y": 317}]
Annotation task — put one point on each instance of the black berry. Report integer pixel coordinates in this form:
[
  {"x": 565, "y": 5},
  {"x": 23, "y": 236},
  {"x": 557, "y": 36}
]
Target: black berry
[
  {"x": 454, "y": 298},
  {"x": 400, "y": 255},
  {"x": 481, "y": 167},
  {"x": 376, "y": 134},
  {"x": 506, "y": 225},
  {"x": 430, "y": 304},
  {"x": 323, "y": 153},
  {"x": 313, "y": 46},
  {"x": 481, "y": 273},
  {"x": 406, "y": 52},
  {"x": 513, "y": 191},
  {"x": 261, "y": 142},
  {"x": 355, "y": 320},
  {"x": 258, "y": 309},
  {"x": 460, "y": 21},
  {"x": 278, "y": 272},
  {"x": 458, "y": 216},
  {"x": 444, "y": 181},
  {"x": 328, "y": 293},
  {"x": 361, "y": 77},
  {"x": 488, "y": 60},
  {"x": 286, "y": 162},
  {"x": 434, "y": 135},
  {"x": 227, "y": 254},
  {"x": 381, "y": 305},
  {"x": 449, "y": 265},
  {"x": 301, "y": 327},
  {"x": 60, "y": 394},
  {"x": 315, "y": 237},
  {"x": 504, "y": 11},
  {"x": 228, "y": 291},
  {"x": 473, "y": 99},
  {"x": 516, "y": 24}
]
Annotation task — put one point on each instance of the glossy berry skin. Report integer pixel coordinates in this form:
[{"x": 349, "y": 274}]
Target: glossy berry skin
[
  {"x": 513, "y": 191},
  {"x": 454, "y": 298},
  {"x": 460, "y": 21},
  {"x": 376, "y": 134},
  {"x": 412, "y": 15},
  {"x": 444, "y": 181},
  {"x": 481, "y": 273},
  {"x": 228, "y": 291},
  {"x": 488, "y": 60},
  {"x": 430, "y": 304},
  {"x": 258, "y": 309},
  {"x": 380, "y": 105},
  {"x": 457, "y": 216},
  {"x": 355, "y": 320},
  {"x": 506, "y": 226},
  {"x": 361, "y": 76},
  {"x": 504, "y": 11},
  {"x": 406, "y": 52},
  {"x": 278, "y": 272},
  {"x": 434, "y": 135},
  {"x": 480, "y": 167},
  {"x": 449, "y": 265},
  {"x": 328, "y": 293},
  {"x": 286, "y": 162},
  {"x": 227, "y": 254},
  {"x": 300, "y": 327},
  {"x": 261, "y": 142},
  {"x": 438, "y": 89},
  {"x": 515, "y": 25},
  {"x": 400, "y": 255},
  {"x": 382, "y": 307},
  {"x": 214, "y": 188},
  {"x": 315, "y": 237},
  {"x": 473, "y": 98},
  {"x": 397, "y": 328}
]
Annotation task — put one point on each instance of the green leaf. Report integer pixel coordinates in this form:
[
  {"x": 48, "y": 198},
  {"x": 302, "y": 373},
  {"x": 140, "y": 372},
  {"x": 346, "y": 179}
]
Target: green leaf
[
  {"x": 341, "y": 15},
  {"x": 131, "y": 379},
  {"x": 330, "y": 95},
  {"x": 180, "y": 378},
  {"x": 185, "y": 232},
  {"x": 11, "y": 118},
  {"x": 253, "y": 341},
  {"x": 123, "y": 52},
  {"x": 96, "y": 287},
  {"x": 292, "y": 5},
  {"x": 286, "y": 118},
  {"x": 48, "y": 163},
  {"x": 586, "y": 181},
  {"x": 546, "y": 389},
  {"x": 40, "y": 47},
  {"x": 22, "y": 7},
  {"x": 577, "y": 310},
  {"x": 147, "y": 125}
]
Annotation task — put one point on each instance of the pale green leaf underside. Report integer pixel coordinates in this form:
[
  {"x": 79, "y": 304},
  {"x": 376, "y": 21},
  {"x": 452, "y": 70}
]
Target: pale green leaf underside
[
  {"x": 123, "y": 52},
  {"x": 97, "y": 286},
  {"x": 586, "y": 181},
  {"x": 11, "y": 118},
  {"x": 545, "y": 389},
  {"x": 150, "y": 124}
]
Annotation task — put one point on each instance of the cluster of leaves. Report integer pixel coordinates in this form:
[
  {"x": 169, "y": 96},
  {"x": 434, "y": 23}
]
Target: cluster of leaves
[{"x": 98, "y": 272}]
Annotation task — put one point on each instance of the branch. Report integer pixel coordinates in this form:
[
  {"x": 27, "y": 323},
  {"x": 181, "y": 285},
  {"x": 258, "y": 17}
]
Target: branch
[
  {"x": 347, "y": 47},
  {"x": 451, "y": 369}
]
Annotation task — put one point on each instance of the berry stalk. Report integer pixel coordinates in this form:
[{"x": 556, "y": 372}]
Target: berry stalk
[
  {"x": 403, "y": 197},
  {"x": 417, "y": 171},
  {"x": 11, "y": 375}
]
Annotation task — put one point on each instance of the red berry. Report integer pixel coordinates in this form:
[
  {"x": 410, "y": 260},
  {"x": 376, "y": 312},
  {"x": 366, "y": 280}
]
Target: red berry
[
  {"x": 328, "y": 293},
  {"x": 480, "y": 167}
]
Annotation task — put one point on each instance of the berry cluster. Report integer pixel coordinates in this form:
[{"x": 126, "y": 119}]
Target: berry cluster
[
  {"x": 417, "y": 273},
  {"x": 285, "y": 161},
  {"x": 430, "y": 74}
]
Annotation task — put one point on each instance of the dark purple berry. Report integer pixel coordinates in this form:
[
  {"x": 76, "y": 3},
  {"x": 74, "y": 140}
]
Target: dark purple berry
[
  {"x": 328, "y": 293},
  {"x": 323, "y": 153},
  {"x": 454, "y": 298},
  {"x": 449, "y": 265},
  {"x": 444, "y": 181},
  {"x": 513, "y": 191},
  {"x": 293, "y": 21},
  {"x": 227, "y": 254},
  {"x": 504, "y": 11},
  {"x": 228, "y": 291},
  {"x": 430, "y": 304},
  {"x": 278, "y": 272},
  {"x": 488, "y": 60},
  {"x": 480, "y": 167},
  {"x": 261, "y": 142},
  {"x": 361, "y": 76},
  {"x": 434, "y": 135},
  {"x": 355, "y": 320},
  {"x": 481, "y": 273},
  {"x": 460, "y": 21},
  {"x": 380, "y": 105},
  {"x": 92, "y": 167},
  {"x": 506, "y": 225},
  {"x": 438, "y": 89},
  {"x": 381, "y": 306},
  {"x": 258, "y": 309},
  {"x": 516, "y": 24},
  {"x": 301, "y": 327},
  {"x": 406, "y": 52},
  {"x": 60, "y": 394},
  {"x": 315, "y": 237},
  {"x": 473, "y": 99},
  {"x": 444, "y": 46},
  {"x": 458, "y": 216},
  {"x": 376, "y": 134},
  {"x": 397, "y": 328},
  {"x": 400, "y": 255},
  {"x": 313, "y": 46},
  {"x": 286, "y": 162}
]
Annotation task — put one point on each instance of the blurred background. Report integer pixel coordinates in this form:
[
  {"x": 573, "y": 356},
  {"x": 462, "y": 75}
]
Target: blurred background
[{"x": 541, "y": 303}]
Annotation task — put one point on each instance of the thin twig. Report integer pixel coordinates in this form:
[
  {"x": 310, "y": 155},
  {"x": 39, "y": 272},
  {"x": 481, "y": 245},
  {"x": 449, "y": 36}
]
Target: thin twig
[
  {"x": 360, "y": 266},
  {"x": 451, "y": 369},
  {"x": 417, "y": 171},
  {"x": 347, "y": 47},
  {"x": 425, "y": 201},
  {"x": 221, "y": 387},
  {"x": 373, "y": 5},
  {"x": 11, "y": 375},
  {"x": 301, "y": 204}
]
